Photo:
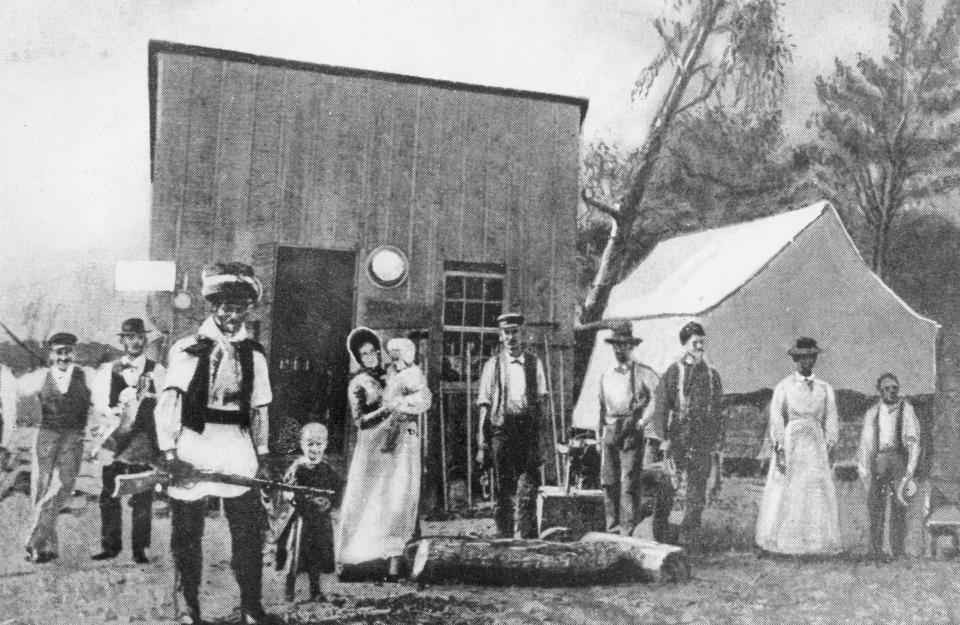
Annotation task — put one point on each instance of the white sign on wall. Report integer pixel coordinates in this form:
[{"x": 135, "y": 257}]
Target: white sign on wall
[{"x": 146, "y": 275}]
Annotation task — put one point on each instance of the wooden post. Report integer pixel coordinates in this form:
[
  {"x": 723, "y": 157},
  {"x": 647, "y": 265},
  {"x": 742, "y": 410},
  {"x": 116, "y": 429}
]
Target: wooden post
[
  {"x": 553, "y": 411},
  {"x": 563, "y": 420},
  {"x": 469, "y": 373},
  {"x": 443, "y": 451}
]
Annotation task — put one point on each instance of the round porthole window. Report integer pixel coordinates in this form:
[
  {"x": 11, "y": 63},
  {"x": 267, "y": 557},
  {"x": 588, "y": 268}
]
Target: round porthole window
[{"x": 387, "y": 266}]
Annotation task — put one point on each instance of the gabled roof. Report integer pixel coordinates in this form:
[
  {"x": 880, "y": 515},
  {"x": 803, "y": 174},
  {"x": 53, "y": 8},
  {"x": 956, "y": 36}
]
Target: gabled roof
[{"x": 690, "y": 274}]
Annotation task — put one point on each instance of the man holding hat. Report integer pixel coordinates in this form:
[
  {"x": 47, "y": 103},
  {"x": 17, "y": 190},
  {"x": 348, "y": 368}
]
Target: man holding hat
[
  {"x": 64, "y": 392},
  {"x": 798, "y": 511},
  {"x": 625, "y": 396},
  {"x": 887, "y": 460},
  {"x": 512, "y": 390},
  {"x": 687, "y": 420},
  {"x": 129, "y": 385},
  {"x": 212, "y": 415}
]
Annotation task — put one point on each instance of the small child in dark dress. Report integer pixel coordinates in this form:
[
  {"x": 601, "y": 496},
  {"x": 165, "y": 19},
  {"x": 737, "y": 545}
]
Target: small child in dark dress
[{"x": 308, "y": 537}]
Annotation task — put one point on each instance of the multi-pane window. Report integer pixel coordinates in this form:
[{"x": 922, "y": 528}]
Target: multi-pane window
[{"x": 472, "y": 302}]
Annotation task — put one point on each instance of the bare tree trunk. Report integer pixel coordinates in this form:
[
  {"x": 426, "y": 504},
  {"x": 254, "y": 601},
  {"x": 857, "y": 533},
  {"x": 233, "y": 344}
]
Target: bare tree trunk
[{"x": 612, "y": 261}]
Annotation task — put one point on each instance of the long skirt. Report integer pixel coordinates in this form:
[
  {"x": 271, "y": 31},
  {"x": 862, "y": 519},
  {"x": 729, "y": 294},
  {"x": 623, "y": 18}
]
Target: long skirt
[
  {"x": 798, "y": 512},
  {"x": 378, "y": 515}
]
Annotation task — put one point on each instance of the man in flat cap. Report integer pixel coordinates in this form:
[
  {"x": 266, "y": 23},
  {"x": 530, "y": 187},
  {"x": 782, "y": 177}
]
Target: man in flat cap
[
  {"x": 687, "y": 420},
  {"x": 887, "y": 457},
  {"x": 512, "y": 390},
  {"x": 64, "y": 391},
  {"x": 129, "y": 387},
  {"x": 212, "y": 415},
  {"x": 626, "y": 406}
]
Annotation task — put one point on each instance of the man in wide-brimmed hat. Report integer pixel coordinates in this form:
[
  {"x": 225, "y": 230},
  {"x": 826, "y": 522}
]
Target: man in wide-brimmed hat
[
  {"x": 625, "y": 402},
  {"x": 65, "y": 393},
  {"x": 688, "y": 422},
  {"x": 212, "y": 415},
  {"x": 887, "y": 460},
  {"x": 129, "y": 388},
  {"x": 512, "y": 391}
]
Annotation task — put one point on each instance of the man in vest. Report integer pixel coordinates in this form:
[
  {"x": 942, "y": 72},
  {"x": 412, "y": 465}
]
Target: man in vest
[
  {"x": 129, "y": 385},
  {"x": 687, "y": 420},
  {"x": 512, "y": 389},
  {"x": 64, "y": 392},
  {"x": 887, "y": 457},
  {"x": 625, "y": 396},
  {"x": 212, "y": 415}
]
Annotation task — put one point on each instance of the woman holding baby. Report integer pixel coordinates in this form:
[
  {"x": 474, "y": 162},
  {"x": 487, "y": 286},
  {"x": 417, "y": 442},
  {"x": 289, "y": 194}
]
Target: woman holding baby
[{"x": 380, "y": 504}]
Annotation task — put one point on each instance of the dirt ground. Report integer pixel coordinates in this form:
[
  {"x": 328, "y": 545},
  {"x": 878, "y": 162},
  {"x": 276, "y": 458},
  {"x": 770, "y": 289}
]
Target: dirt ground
[{"x": 730, "y": 584}]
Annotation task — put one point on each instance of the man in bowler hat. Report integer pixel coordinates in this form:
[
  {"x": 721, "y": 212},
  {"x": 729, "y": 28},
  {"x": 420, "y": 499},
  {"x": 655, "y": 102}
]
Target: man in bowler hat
[{"x": 129, "y": 387}]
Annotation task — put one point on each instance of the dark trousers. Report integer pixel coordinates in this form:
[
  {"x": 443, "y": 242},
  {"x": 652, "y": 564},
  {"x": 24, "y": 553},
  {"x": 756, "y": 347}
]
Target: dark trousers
[
  {"x": 695, "y": 463},
  {"x": 889, "y": 468},
  {"x": 657, "y": 486},
  {"x": 245, "y": 517},
  {"x": 111, "y": 516},
  {"x": 516, "y": 470},
  {"x": 619, "y": 472}
]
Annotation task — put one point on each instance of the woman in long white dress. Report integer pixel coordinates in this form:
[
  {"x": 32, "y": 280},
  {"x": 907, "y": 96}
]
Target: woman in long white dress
[
  {"x": 798, "y": 512},
  {"x": 380, "y": 503}
]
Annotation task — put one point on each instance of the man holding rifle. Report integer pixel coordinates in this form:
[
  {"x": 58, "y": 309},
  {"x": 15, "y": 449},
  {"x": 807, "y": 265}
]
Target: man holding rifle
[
  {"x": 212, "y": 415},
  {"x": 129, "y": 384}
]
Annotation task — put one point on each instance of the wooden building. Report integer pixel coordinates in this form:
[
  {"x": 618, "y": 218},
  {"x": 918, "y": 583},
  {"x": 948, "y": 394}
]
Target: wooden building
[{"x": 305, "y": 170}]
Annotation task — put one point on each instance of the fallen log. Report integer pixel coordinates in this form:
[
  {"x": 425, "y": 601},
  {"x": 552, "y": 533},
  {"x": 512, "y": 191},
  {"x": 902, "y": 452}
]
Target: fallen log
[
  {"x": 603, "y": 558},
  {"x": 660, "y": 562}
]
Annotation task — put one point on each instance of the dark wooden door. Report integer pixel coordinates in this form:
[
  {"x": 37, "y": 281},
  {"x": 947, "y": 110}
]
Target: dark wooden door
[{"x": 312, "y": 315}]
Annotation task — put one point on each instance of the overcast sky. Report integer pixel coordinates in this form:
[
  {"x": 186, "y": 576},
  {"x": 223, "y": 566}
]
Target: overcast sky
[{"x": 74, "y": 153}]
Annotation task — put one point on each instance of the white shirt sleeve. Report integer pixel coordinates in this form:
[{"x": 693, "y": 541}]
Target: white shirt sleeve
[
  {"x": 8, "y": 404},
  {"x": 261, "y": 395},
  {"x": 167, "y": 418},
  {"x": 832, "y": 420},
  {"x": 777, "y": 408},
  {"x": 485, "y": 389},
  {"x": 911, "y": 427},
  {"x": 31, "y": 383}
]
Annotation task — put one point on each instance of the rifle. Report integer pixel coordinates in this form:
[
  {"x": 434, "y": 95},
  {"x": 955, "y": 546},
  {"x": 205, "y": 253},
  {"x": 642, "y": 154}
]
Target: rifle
[
  {"x": 134, "y": 483},
  {"x": 127, "y": 415}
]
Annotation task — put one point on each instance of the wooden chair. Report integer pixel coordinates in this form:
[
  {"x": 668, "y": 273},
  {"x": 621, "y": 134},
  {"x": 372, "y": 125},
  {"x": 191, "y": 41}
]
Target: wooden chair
[{"x": 941, "y": 518}]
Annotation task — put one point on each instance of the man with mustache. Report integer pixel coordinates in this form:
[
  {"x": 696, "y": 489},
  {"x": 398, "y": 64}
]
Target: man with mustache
[
  {"x": 512, "y": 390},
  {"x": 888, "y": 455},
  {"x": 129, "y": 383},
  {"x": 64, "y": 391},
  {"x": 687, "y": 420}
]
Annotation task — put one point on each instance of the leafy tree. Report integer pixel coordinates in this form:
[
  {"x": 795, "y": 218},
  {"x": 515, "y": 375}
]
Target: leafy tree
[
  {"x": 717, "y": 168},
  {"x": 886, "y": 137},
  {"x": 716, "y": 53}
]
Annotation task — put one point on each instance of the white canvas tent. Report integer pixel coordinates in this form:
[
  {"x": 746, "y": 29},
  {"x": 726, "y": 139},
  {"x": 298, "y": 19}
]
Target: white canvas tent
[{"x": 756, "y": 287}]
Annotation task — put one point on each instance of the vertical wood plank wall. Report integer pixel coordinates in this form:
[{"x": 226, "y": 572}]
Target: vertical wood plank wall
[{"x": 249, "y": 156}]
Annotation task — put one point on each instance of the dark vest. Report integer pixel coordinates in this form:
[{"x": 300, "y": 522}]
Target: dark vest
[
  {"x": 117, "y": 383},
  {"x": 196, "y": 414},
  {"x": 65, "y": 411}
]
